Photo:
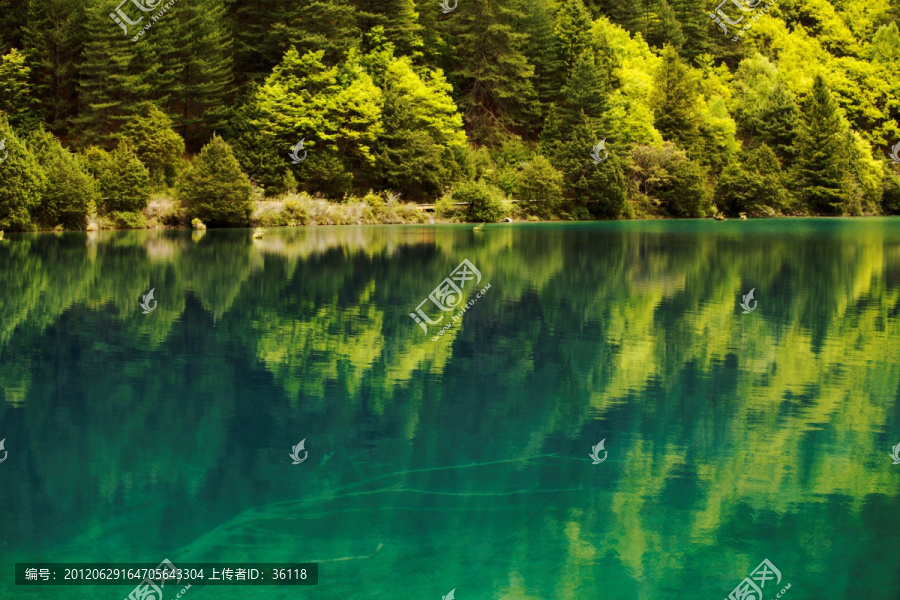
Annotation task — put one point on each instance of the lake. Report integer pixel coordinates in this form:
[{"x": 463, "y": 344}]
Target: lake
[{"x": 460, "y": 460}]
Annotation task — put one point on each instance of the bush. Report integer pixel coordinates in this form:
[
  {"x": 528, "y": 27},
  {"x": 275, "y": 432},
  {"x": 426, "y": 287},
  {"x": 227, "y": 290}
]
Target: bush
[
  {"x": 296, "y": 212},
  {"x": 484, "y": 204},
  {"x": 214, "y": 188},
  {"x": 540, "y": 188},
  {"x": 71, "y": 193},
  {"x": 123, "y": 219},
  {"x": 22, "y": 182},
  {"x": 124, "y": 180},
  {"x": 664, "y": 174}
]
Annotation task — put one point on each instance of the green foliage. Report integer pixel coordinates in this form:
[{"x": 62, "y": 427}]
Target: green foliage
[
  {"x": 755, "y": 185},
  {"x": 149, "y": 131},
  {"x": 667, "y": 178},
  {"x": 421, "y": 128},
  {"x": 484, "y": 205},
  {"x": 337, "y": 110},
  {"x": 675, "y": 100},
  {"x": 818, "y": 170},
  {"x": 540, "y": 188},
  {"x": 214, "y": 188},
  {"x": 890, "y": 192},
  {"x": 71, "y": 193},
  {"x": 124, "y": 181},
  {"x": 22, "y": 182},
  {"x": 16, "y": 97}
]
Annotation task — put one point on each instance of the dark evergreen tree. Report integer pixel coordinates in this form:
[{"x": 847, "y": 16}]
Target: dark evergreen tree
[
  {"x": 53, "y": 39},
  {"x": 214, "y": 189},
  {"x": 490, "y": 71},
  {"x": 114, "y": 75},
  {"x": 196, "y": 46},
  {"x": 541, "y": 49},
  {"x": 676, "y": 93},
  {"x": 398, "y": 18},
  {"x": 818, "y": 169},
  {"x": 778, "y": 121}
]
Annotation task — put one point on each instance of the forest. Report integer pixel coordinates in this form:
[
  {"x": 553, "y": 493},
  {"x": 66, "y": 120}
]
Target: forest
[{"x": 153, "y": 113}]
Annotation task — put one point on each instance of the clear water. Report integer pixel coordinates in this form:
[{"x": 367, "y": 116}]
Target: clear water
[{"x": 731, "y": 437}]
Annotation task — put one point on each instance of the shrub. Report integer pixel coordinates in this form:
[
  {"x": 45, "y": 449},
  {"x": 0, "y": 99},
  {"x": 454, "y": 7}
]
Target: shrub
[
  {"x": 124, "y": 180},
  {"x": 540, "y": 188},
  {"x": 296, "y": 212},
  {"x": 484, "y": 204},
  {"x": 22, "y": 182},
  {"x": 71, "y": 193},
  {"x": 197, "y": 224},
  {"x": 214, "y": 188}
]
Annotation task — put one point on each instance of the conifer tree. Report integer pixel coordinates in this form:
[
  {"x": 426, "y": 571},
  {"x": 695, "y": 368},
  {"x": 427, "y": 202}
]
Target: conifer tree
[
  {"x": 196, "y": 47},
  {"x": 214, "y": 189},
  {"x": 572, "y": 35},
  {"x": 490, "y": 71},
  {"x": 327, "y": 26},
  {"x": 818, "y": 167},
  {"x": 541, "y": 49},
  {"x": 675, "y": 98},
  {"x": 53, "y": 40},
  {"x": 115, "y": 73},
  {"x": 399, "y": 20}
]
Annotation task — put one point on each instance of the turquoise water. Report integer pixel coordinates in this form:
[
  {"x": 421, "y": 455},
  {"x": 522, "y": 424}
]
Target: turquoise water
[{"x": 460, "y": 463}]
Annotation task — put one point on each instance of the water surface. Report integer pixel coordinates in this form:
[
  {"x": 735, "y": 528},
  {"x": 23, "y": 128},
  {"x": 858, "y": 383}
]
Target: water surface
[{"x": 731, "y": 437}]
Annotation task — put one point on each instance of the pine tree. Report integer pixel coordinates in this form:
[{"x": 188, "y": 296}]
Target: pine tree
[
  {"x": 818, "y": 168},
  {"x": 675, "y": 98},
  {"x": 327, "y": 26},
  {"x": 490, "y": 70},
  {"x": 53, "y": 38},
  {"x": 399, "y": 18},
  {"x": 778, "y": 121},
  {"x": 150, "y": 133},
  {"x": 196, "y": 46},
  {"x": 114, "y": 75},
  {"x": 584, "y": 95},
  {"x": 541, "y": 49},
  {"x": 214, "y": 189},
  {"x": 755, "y": 185},
  {"x": 572, "y": 35},
  {"x": 693, "y": 21}
]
